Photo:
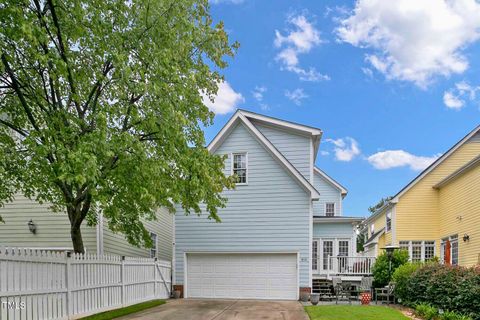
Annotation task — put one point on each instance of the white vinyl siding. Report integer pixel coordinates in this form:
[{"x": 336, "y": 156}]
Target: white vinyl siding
[
  {"x": 295, "y": 148},
  {"x": 270, "y": 214},
  {"x": 53, "y": 229},
  {"x": 115, "y": 243},
  {"x": 328, "y": 194}
]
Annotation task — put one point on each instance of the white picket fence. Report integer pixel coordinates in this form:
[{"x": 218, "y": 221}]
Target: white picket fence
[{"x": 37, "y": 284}]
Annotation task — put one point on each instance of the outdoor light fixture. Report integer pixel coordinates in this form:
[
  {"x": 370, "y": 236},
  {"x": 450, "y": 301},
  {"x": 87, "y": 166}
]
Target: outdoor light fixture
[
  {"x": 389, "y": 250},
  {"x": 32, "y": 227},
  {"x": 466, "y": 237}
]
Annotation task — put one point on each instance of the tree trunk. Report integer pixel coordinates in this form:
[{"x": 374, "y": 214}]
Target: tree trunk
[{"x": 77, "y": 240}]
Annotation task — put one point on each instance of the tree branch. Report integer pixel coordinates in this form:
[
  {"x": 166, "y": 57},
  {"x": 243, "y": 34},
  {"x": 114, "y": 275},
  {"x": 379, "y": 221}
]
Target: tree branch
[
  {"x": 63, "y": 55},
  {"x": 19, "y": 92},
  {"x": 14, "y": 128}
]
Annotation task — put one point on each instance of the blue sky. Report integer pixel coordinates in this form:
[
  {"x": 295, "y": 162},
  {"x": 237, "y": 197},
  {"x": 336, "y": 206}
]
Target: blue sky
[{"x": 392, "y": 84}]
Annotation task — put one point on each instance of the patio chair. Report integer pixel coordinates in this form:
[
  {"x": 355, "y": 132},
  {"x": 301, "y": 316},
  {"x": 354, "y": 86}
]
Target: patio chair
[
  {"x": 385, "y": 293},
  {"x": 343, "y": 292},
  {"x": 366, "y": 284}
]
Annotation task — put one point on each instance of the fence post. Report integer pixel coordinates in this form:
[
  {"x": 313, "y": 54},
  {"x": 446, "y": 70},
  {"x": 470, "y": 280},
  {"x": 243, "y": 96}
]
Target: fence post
[
  {"x": 155, "y": 278},
  {"x": 68, "y": 284},
  {"x": 122, "y": 280}
]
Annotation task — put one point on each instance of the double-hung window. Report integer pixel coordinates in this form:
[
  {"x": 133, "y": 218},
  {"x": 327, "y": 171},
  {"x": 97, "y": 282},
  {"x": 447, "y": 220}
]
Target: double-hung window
[
  {"x": 330, "y": 209},
  {"x": 388, "y": 221},
  {"x": 153, "y": 249},
  {"x": 239, "y": 167}
]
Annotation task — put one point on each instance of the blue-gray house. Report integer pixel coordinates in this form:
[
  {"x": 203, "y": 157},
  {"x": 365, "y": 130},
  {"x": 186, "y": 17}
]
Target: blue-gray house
[{"x": 282, "y": 229}]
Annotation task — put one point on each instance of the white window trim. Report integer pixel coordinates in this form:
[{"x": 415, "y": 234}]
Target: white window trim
[
  {"x": 387, "y": 229},
  {"x": 334, "y": 208},
  {"x": 155, "y": 245},
  {"x": 246, "y": 166},
  {"x": 410, "y": 248},
  {"x": 451, "y": 238}
]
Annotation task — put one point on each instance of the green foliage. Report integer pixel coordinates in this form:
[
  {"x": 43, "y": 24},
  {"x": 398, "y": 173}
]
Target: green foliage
[
  {"x": 445, "y": 287},
  {"x": 383, "y": 271},
  {"x": 352, "y": 312},
  {"x": 450, "y": 315},
  {"x": 360, "y": 242},
  {"x": 112, "y": 314},
  {"x": 426, "y": 311},
  {"x": 379, "y": 204},
  {"x": 104, "y": 98},
  {"x": 401, "y": 278}
]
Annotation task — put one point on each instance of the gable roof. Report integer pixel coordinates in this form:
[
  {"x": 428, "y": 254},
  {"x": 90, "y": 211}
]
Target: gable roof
[
  {"x": 285, "y": 125},
  {"x": 374, "y": 238},
  {"x": 379, "y": 211},
  {"x": 435, "y": 164},
  {"x": 337, "y": 185},
  {"x": 470, "y": 165},
  {"x": 242, "y": 116}
]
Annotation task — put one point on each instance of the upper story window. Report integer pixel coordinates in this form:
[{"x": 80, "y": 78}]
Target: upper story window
[
  {"x": 330, "y": 209},
  {"x": 153, "y": 249},
  {"x": 239, "y": 167},
  {"x": 388, "y": 222},
  {"x": 372, "y": 229}
]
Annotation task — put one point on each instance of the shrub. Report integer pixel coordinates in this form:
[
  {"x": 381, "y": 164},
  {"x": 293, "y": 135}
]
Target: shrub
[
  {"x": 450, "y": 288},
  {"x": 381, "y": 273},
  {"x": 450, "y": 315},
  {"x": 401, "y": 277},
  {"x": 426, "y": 311}
]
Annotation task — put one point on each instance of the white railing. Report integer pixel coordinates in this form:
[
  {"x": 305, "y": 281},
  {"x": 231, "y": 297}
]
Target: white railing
[
  {"x": 37, "y": 284},
  {"x": 351, "y": 266}
]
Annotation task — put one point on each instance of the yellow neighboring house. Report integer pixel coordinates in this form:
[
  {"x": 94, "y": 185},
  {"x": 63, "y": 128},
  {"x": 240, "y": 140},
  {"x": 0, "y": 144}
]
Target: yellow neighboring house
[{"x": 437, "y": 213}]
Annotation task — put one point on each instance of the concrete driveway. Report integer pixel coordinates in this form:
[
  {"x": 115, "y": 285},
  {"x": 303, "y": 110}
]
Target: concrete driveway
[{"x": 195, "y": 309}]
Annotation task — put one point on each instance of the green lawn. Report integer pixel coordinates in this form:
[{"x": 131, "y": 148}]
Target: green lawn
[
  {"x": 112, "y": 314},
  {"x": 354, "y": 313}
]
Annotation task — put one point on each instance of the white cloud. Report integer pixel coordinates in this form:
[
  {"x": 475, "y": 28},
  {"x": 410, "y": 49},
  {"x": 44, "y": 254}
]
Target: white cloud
[
  {"x": 324, "y": 153},
  {"x": 225, "y": 101},
  {"x": 452, "y": 101},
  {"x": 296, "y": 96},
  {"x": 455, "y": 98},
  {"x": 346, "y": 149},
  {"x": 298, "y": 41},
  {"x": 400, "y": 158},
  {"x": 258, "y": 92},
  {"x": 413, "y": 40}
]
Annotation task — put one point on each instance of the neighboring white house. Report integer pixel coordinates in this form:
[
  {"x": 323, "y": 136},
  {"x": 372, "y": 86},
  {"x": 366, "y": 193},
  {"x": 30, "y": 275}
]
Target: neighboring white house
[
  {"x": 52, "y": 232},
  {"x": 282, "y": 228}
]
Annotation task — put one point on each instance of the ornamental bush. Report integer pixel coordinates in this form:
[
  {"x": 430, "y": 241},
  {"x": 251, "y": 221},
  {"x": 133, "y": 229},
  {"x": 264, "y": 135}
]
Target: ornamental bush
[
  {"x": 401, "y": 277},
  {"x": 449, "y": 288},
  {"x": 382, "y": 274}
]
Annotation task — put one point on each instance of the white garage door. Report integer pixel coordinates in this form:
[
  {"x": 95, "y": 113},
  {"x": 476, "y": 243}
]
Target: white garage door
[{"x": 242, "y": 276}]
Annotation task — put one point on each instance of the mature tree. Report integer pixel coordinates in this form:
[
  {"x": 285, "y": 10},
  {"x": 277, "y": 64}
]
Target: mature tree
[
  {"x": 104, "y": 98},
  {"x": 379, "y": 204}
]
